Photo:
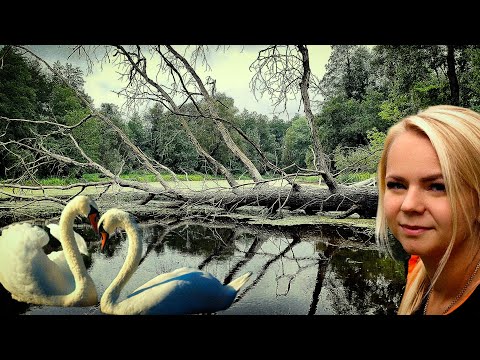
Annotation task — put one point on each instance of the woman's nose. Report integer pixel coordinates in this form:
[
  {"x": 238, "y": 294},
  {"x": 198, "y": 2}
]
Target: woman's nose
[{"x": 413, "y": 201}]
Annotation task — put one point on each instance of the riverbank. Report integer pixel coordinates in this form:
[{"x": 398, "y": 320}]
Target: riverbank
[{"x": 42, "y": 212}]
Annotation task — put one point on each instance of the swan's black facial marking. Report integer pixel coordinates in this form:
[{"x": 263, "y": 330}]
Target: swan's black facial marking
[{"x": 94, "y": 216}]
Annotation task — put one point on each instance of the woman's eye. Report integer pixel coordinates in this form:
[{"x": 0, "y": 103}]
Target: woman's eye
[
  {"x": 395, "y": 185},
  {"x": 437, "y": 187}
]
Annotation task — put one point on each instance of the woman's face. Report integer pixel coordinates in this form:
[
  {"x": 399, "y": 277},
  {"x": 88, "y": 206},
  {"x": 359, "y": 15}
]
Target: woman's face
[{"x": 416, "y": 205}]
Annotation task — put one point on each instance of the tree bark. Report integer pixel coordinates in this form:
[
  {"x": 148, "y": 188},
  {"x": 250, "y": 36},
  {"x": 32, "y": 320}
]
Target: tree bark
[
  {"x": 309, "y": 199},
  {"x": 452, "y": 76},
  {"x": 320, "y": 163}
]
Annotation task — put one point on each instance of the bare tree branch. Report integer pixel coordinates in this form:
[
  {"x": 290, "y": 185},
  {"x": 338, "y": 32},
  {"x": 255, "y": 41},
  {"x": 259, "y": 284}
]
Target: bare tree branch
[{"x": 283, "y": 70}]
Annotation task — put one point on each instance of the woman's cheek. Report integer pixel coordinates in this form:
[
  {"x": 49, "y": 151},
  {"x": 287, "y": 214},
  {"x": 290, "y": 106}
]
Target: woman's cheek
[{"x": 391, "y": 205}]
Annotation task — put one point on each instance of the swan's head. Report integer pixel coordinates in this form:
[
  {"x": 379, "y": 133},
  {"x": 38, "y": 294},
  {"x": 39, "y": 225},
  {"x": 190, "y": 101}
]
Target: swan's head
[
  {"x": 88, "y": 208},
  {"x": 111, "y": 220}
]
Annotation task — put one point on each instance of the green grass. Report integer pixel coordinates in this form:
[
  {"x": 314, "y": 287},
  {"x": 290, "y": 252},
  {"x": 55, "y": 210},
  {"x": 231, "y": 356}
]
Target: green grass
[
  {"x": 147, "y": 177},
  {"x": 354, "y": 177},
  {"x": 137, "y": 176},
  {"x": 91, "y": 177},
  {"x": 308, "y": 179}
]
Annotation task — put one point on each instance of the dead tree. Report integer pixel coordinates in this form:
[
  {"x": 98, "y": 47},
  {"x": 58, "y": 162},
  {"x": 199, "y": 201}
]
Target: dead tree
[{"x": 183, "y": 85}]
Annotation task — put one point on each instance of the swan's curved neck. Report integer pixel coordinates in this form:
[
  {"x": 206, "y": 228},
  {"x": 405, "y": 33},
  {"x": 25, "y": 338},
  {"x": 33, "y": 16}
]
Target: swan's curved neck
[
  {"x": 134, "y": 253},
  {"x": 72, "y": 253}
]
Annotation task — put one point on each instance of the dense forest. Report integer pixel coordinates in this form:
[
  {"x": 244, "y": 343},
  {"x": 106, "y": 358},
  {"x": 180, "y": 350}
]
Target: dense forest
[{"x": 50, "y": 128}]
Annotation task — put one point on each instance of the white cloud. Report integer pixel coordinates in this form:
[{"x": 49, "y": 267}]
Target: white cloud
[{"x": 101, "y": 85}]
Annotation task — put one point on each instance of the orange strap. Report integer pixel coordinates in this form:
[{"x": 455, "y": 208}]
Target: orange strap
[{"x": 411, "y": 264}]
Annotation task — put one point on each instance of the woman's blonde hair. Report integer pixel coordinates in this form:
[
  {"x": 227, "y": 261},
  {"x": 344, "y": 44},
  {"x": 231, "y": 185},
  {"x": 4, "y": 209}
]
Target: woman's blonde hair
[{"x": 455, "y": 135}]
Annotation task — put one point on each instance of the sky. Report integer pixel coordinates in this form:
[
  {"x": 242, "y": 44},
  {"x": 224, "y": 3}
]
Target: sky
[{"x": 230, "y": 68}]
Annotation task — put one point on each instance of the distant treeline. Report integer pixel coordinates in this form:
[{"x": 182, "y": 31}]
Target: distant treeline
[{"x": 364, "y": 91}]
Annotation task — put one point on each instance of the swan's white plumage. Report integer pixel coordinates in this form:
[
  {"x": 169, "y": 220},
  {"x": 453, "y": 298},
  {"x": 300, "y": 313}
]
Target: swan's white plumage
[
  {"x": 58, "y": 256},
  {"x": 32, "y": 277},
  {"x": 81, "y": 243},
  {"x": 182, "y": 291}
]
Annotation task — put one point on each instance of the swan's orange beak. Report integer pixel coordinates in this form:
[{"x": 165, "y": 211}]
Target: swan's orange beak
[
  {"x": 93, "y": 216},
  {"x": 104, "y": 238}
]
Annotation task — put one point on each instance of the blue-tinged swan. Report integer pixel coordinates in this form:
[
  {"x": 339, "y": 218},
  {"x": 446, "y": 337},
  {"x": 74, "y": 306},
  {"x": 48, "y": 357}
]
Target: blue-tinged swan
[{"x": 182, "y": 291}]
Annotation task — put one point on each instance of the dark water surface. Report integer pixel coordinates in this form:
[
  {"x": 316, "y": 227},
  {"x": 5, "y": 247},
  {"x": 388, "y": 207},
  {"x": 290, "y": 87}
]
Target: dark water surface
[{"x": 299, "y": 271}]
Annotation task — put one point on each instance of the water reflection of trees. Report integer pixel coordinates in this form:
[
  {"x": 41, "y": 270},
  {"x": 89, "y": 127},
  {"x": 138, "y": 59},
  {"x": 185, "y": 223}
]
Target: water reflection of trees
[
  {"x": 349, "y": 268},
  {"x": 350, "y": 273},
  {"x": 361, "y": 280},
  {"x": 367, "y": 280}
]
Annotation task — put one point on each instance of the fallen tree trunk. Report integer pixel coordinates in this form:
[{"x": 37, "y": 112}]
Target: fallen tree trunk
[
  {"x": 363, "y": 200},
  {"x": 273, "y": 201}
]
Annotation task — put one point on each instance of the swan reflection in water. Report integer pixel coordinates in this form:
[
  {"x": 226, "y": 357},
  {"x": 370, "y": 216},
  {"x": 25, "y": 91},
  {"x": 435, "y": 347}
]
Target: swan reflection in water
[{"x": 315, "y": 270}]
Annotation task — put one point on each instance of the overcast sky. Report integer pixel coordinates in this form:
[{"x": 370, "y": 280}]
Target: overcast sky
[{"x": 229, "y": 68}]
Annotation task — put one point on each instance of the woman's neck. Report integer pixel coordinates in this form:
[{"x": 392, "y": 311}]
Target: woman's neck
[{"x": 459, "y": 275}]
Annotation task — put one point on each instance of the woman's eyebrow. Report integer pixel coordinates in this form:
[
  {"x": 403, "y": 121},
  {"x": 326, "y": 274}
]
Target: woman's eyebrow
[{"x": 428, "y": 178}]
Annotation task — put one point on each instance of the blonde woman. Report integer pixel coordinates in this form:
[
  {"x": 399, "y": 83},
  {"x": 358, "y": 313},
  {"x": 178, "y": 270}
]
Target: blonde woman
[{"x": 429, "y": 200}]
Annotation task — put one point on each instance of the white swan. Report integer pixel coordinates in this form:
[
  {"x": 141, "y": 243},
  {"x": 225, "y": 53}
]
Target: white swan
[
  {"x": 182, "y": 291},
  {"x": 32, "y": 277}
]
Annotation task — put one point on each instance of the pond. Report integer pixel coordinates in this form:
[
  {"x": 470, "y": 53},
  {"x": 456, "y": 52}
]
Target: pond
[{"x": 320, "y": 270}]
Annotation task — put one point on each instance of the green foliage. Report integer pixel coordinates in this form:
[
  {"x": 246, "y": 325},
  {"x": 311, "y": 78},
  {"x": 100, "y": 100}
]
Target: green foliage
[
  {"x": 148, "y": 177},
  {"x": 360, "y": 163},
  {"x": 92, "y": 177},
  {"x": 110, "y": 146},
  {"x": 138, "y": 131},
  {"x": 72, "y": 74},
  {"x": 415, "y": 77},
  {"x": 430, "y": 92},
  {"x": 23, "y": 94},
  {"x": 87, "y": 135},
  {"x": 352, "y": 160},
  {"x": 64, "y": 100},
  {"x": 376, "y": 139},
  {"x": 342, "y": 123},
  {"x": 365, "y": 89},
  {"x": 168, "y": 141},
  {"x": 23, "y": 87},
  {"x": 396, "y": 107},
  {"x": 268, "y": 135},
  {"x": 472, "y": 78},
  {"x": 400, "y": 68},
  {"x": 390, "y": 112},
  {"x": 297, "y": 142},
  {"x": 347, "y": 72},
  {"x": 308, "y": 179},
  {"x": 55, "y": 181},
  {"x": 351, "y": 178}
]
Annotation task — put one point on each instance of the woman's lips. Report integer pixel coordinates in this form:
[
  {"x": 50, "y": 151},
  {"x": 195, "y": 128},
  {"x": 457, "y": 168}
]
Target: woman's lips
[{"x": 412, "y": 230}]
